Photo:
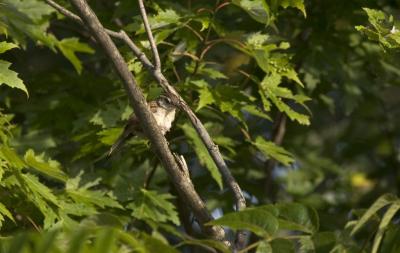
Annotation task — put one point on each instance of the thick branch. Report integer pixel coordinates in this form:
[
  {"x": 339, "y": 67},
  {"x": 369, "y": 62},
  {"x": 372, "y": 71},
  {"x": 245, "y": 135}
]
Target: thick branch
[
  {"x": 152, "y": 131},
  {"x": 201, "y": 130},
  {"x": 211, "y": 147}
]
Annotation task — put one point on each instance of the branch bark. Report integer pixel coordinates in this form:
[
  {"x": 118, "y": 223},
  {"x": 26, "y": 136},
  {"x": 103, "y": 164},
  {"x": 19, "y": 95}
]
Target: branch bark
[
  {"x": 178, "y": 100},
  {"x": 278, "y": 133},
  {"x": 182, "y": 183},
  {"x": 200, "y": 129}
]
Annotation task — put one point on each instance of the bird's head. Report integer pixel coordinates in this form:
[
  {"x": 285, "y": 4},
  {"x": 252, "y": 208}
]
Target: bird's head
[{"x": 166, "y": 103}]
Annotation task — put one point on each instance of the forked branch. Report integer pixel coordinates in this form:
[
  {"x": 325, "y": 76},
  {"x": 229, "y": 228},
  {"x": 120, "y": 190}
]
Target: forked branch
[{"x": 179, "y": 178}]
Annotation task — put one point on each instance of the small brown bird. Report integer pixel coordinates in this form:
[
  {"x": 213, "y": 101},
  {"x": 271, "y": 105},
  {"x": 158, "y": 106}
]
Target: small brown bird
[{"x": 164, "y": 113}]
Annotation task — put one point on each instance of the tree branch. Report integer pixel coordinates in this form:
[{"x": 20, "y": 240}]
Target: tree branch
[
  {"x": 201, "y": 130},
  {"x": 151, "y": 129},
  {"x": 178, "y": 100},
  {"x": 156, "y": 56},
  {"x": 279, "y": 130}
]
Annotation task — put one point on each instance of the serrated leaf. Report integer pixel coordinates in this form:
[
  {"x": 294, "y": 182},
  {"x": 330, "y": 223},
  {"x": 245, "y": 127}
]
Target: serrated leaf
[
  {"x": 5, "y": 212},
  {"x": 93, "y": 198},
  {"x": 33, "y": 8},
  {"x": 5, "y": 46},
  {"x": 39, "y": 190},
  {"x": 109, "y": 136},
  {"x": 28, "y": 18},
  {"x": 202, "y": 153},
  {"x": 10, "y": 78},
  {"x": 275, "y": 93},
  {"x": 50, "y": 168},
  {"x": 164, "y": 18},
  {"x": 11, "y": 157},
  {"x": 154, "y": 206},
  {"x": 205, "y": 97},
  {"x": 257, "y": 220},
  {"x": 152, "y": 244},
  {"x": 254, "y": 110},
  {"x": 299, "y": 4},
  {"x": 257, "y": 9},
  {"x": 69, "y": 47},
  {"x": 376, "y": 206},
  {"x": 83, "y": 194},
  {"x": 271, "y": 150},
  {"x": 294, "y": 216}
]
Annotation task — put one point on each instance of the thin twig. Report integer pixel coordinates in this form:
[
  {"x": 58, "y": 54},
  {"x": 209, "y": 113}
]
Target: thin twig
[
  {"x": 156, "y": 56},
  {"x": 182, "y": 183},
  {"x": 149, "y": 175},
  {"x": 279, "y": 131},
  {"x": 64, "y": 11}
]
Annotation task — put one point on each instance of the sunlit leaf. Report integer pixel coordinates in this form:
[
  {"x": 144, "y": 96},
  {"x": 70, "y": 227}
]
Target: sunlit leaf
[
  {"x": 257, "y": 220},
  {"x": 202, "y": 153},
  {"x": 10, "y": 78},
  {"x": 154, "y": 206},
  {"x": 50, "y": 168},
  {"x": 271, "y": 150},
  {"x": 378, "y": 204},
  {"x": 69, "y": 47}
]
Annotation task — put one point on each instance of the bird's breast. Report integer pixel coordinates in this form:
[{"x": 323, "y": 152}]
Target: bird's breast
[{"x": 164, "y": 119}]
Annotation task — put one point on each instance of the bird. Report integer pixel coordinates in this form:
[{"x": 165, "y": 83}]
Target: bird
[{"x": 164, "y": 112}]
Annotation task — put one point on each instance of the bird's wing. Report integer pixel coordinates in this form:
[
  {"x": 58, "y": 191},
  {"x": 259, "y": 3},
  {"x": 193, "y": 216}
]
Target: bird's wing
[{"x": 129, "y": 130}]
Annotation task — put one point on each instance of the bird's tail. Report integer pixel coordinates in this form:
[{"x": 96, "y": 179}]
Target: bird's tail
[{"x": 121, "y": 140}]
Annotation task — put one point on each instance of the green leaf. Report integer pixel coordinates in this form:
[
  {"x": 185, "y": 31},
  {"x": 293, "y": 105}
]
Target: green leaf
[
  {"x": 5, "y": 46},
  {"x": 50, "y": 168},
  {"x": 294, "y": 216},
  {"x": 10, "y": 78},
  {"x": 383, "y": 29},
  {"x": 257, "y": 220},
  {"x": 154, "y": 206},
  {"x": 254, "y": 110},
  {"x": 109, "y": 136},
  {"x": 33, "y": 8},
  {"x": 282, "y": 246},
  {"x": 69, "y": 47},
  {"x": 264, "y": 247},
  {"x": 11, "y": 157},
  {"x": 324, "y": 241},
  {"x": 202, "y": 153},
  {"x": 387, "y": 217},
  {"x": 91, "y": 198},
  {"x": 376, "y": 206},
  {"x": 257, "y": 9},
  {"x": 205, "y": 97},
  {"x": 151, "y": 244},
  {"x": 299, "y": 4},
  {"x": 105, "y": 241},
  {"x": 164, "y": 18},
  {"x": 27, "y": 18},
  {"x": 208, "y": 243},
  {"x": 271, "y": 150},
  {"x": 275, "y": 93},
  {"x": 4, "y": 212}
]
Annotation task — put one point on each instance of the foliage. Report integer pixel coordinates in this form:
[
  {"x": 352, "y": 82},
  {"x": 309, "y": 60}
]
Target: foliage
[{"x": 330, "y": 67}]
